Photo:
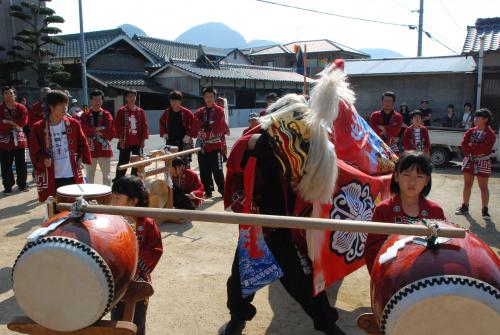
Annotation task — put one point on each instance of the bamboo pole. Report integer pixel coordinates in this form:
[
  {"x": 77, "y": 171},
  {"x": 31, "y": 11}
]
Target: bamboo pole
[
  {"x": 274, "y": 221},
  {"x": 160, "y": 158}
]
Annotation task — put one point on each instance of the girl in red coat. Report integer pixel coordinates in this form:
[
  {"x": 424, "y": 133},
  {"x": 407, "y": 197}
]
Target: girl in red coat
[
  {"x": 130, "y": 191},
  {"x": 58, "y": 148},
  {"x": 417, "y": 136},
  {"x": 477, "y": 146},
  {"x": 410, "y": 184},
  {"x": 188, "y": 189}
]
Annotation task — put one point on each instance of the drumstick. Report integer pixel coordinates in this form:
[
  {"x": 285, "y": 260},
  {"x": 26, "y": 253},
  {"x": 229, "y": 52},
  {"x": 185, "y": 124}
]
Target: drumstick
[
  {"x": 159, "y": 158},
  {"x": 274, "y": 221}
]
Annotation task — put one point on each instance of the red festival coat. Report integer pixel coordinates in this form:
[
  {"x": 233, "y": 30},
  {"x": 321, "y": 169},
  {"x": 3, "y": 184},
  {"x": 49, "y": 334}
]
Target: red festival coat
[
  {"x": 187, "y": 120},
  {"x": 134, "y": 130},
  {"x": 20, "y": 117},
  {"x": 391, "y": 211},
  {"x": 392, "y": 129},
  {"x": 96, "y": 148},
  {"x": 150, "y": 247},
  {"x": 409, "y": 139},
  {"x": 481, "y": 145},
  {"x": 189, "y": 182},
  {"x": 210, "y": 132},
  {"x": 78, "y": 149},
  {"x": 35, "y": 113}
]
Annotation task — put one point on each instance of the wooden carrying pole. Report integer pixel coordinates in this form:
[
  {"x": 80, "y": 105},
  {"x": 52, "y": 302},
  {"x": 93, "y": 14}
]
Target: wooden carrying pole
[
  {"x": 159, "y": 158},
  {"x": 274, "y": 221}
]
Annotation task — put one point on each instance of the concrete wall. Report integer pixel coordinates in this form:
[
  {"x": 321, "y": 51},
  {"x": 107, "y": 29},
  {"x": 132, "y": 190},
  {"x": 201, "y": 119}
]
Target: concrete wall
[{"x": 439, "y": 89}]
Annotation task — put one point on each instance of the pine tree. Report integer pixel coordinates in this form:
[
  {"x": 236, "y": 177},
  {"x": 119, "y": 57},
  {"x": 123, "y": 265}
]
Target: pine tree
[{"x": 32, "y": 50}]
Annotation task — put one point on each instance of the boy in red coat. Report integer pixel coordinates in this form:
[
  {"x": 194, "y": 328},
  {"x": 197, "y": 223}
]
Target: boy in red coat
[
  {"x": 417, "y": 136},
  {"x": 175, "y": 124},
  {"x": 58, "y": 148},
  {"x": 131, "y": 129},
  {"x": 13, "y": 117},
  {"x": 209, "y": 128},
  {"x": 477, "y": 146},
  {"x": 130, "y": 191},
  {"x": 97, "y": 125},
  {"x": 188, "y": 189},
  {"x": 386, "y": 122}
]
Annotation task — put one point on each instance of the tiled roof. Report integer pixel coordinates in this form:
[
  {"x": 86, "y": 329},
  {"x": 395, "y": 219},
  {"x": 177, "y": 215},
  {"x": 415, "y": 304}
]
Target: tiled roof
[
  {"x": 93, "y": 41},
  {"x": 491, "y": 30},
  {"x": 403, "y": 66},
  {"x": 240, "y": 72},
  {"x": 313, "y": 46},
  {"x": 120, "y": 78},
  {"x": 164, "y": 49}
]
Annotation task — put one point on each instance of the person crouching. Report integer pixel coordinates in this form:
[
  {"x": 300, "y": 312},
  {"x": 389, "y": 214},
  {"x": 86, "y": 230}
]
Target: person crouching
[{"x": 188, "y": 189}]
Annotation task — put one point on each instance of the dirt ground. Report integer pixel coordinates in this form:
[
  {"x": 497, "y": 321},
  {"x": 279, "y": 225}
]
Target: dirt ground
[{"x": 190, "y": 280}]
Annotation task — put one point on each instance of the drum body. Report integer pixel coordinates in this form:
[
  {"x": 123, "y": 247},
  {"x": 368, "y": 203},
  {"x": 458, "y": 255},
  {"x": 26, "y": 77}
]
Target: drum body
[
  {"x": 97, "y": 192},
  {"x": 451, "y": 289},
  {"x": 158, "y": 191},
  {"x": 72, "y": 276}
]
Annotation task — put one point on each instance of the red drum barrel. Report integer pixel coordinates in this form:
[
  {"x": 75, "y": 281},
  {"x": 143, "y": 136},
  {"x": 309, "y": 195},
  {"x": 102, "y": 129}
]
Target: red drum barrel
[
  {"x": 97, "y": 192},
  {"x": 453, "y": 288},
  {"x": 70, "y": 277}
]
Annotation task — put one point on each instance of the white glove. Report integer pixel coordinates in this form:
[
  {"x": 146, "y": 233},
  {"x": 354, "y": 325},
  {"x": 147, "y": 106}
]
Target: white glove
[{"x": 186, "y": 139}]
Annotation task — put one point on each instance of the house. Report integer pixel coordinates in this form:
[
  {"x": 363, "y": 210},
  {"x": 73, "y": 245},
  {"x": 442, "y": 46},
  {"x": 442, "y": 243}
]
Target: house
[
  {"x": 155, "y": 66},
  {"x": 441, "y": 80},
  {"x": 320, "y": 53},
  {"x": 490, "y": 28}
]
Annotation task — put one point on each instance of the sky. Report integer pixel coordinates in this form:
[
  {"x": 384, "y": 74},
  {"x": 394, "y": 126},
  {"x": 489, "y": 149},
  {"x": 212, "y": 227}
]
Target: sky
[{"x": 446, "y": 20}]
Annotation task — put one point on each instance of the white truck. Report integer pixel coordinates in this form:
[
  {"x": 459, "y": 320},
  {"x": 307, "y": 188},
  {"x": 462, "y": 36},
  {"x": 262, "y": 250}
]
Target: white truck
[{"x": 445, "y": 145}]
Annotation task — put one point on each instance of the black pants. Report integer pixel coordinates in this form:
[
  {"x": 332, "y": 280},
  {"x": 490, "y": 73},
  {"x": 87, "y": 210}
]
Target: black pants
[
  {"x": 210, "y": 163},
  {"x": 124, "y": 158},
  {"x": 181, "y": 201},
  {"x": 296, "y": 282},
  {"x": 7, "y": 157},
  {"x": 64, "y": 181},
  {"x": 141, "y": 308}
]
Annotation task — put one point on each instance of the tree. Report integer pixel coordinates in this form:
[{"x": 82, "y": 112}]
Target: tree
[
  {"x": 8, "y": 69},
  {"x": 32, "y": 50}
]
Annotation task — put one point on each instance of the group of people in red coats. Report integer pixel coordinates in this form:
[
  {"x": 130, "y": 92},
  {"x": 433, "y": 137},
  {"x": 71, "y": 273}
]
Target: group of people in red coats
[{"x": 477, "y": 145}]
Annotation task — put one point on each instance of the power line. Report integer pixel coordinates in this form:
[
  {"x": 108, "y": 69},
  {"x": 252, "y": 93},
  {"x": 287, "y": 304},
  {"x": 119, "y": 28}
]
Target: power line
[
  {"x": 439, "y": 42},
  {"x": 410, "y": 26},
  {"x": 337, "y": 15},
  {"x": 403, "y": 6},
  {"x": 451, "y": 18}
]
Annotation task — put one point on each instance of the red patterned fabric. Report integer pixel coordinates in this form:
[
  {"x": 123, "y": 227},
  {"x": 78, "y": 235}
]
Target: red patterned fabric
[
  {"x": 391, "y": 211},
  {"x": 210, "y": 132},
  {"x": 409, "y": 142},
  {"x": 20, "y": 116},
  {"x": 40, "y": 144},
  {"x": 131, "y": 126},
  {"x": 477, "y": 147},
  {"x": 150, "y": 247},
  {"x": 35, "y": 113},
  {"x": 98, "y": 149}
]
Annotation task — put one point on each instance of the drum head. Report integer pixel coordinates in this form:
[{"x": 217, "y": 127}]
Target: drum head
[
  {"x": 62, "y": 284},
  {"x": 87, "y": 190},
  {"x": 445, "y": 305}
]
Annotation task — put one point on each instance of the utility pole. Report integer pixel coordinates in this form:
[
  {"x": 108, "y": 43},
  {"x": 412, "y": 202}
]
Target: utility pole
[
  {"x": 83, "y": 59},
  {"x": 480, "y": 71},
  {"x": 420, "y": 28}
]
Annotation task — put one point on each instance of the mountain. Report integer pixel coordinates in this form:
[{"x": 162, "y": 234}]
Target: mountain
[
  {"x": 259, "y": 43},
  {"x": 132, "y": 30},
  {"x": 213, "y": 34},
  {"x": 382, "y": 53}
]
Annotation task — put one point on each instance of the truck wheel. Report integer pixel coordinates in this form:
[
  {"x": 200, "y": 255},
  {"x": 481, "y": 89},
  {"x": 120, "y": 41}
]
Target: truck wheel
[{"x": 440, "y": 157}]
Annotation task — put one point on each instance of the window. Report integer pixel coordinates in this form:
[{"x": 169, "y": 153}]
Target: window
[
  {"x": 270, "y": 63},
  {"x": 230, "y": 96}
]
